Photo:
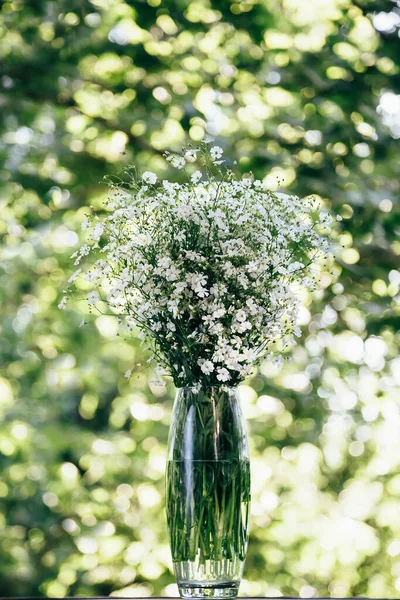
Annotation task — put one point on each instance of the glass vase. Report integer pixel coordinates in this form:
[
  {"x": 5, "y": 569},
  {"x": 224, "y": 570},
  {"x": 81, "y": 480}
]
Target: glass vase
[{"x": 208, "y": 492}]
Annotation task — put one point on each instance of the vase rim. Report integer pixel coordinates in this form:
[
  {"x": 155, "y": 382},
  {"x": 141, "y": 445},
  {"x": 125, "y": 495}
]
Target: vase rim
[{"x": 202, "y": 387}]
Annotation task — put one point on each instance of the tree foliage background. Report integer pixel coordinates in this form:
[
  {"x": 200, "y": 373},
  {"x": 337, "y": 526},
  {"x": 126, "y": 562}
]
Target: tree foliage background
[{"x": 307, "y": 92}]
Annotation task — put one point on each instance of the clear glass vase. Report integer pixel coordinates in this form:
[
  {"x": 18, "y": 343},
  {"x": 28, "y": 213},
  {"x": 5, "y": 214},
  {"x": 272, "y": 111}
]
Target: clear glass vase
[{"x": 208, "y": 492}]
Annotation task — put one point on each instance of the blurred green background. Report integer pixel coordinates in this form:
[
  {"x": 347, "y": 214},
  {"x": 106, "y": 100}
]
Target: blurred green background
[{"x": 307, "y": 91}]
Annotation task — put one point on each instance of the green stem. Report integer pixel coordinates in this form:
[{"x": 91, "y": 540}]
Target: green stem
[{"x": 208, "y": 496}]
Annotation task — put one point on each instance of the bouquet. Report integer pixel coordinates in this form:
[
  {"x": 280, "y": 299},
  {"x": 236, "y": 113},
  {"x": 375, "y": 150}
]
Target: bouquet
[{"x": 206, "y": 270}]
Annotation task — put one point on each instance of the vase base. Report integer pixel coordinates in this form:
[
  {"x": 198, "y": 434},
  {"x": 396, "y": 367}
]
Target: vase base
[{"x": 208, "y": 590}]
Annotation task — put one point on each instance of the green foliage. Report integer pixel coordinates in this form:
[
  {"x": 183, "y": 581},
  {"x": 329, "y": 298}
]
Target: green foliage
[{"x": 304, "y": 91}]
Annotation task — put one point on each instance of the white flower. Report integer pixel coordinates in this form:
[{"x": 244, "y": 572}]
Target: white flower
[
  {"x": 184, "y": 212},
  {"x": 91, "y": 276},
  {"x": 282, "y": 196},
  {"x": 159, "y": 370},
  {"x": 195, "y": 256},
  {"x": 201, "y": 292},
  {"x": 172, "y": 274},
  {"x": 241, "y": 316},
  {"x": 79, "y": 254},
  {"x": 164, "y": 262},
  {"x": 339, "y": 218},
  {"x": 207, "y": 367},
  {"x": 74, "y": 276},
  {"x": 242, "y": 327},
  {"x": 173, "y": 306},
  {"x": 219, "y": 355},
  {"x": 228, "y": 268},
  {"x": 93, "y": 297},
  {"x": 179, "y": 287},
  {"x": 197, "y": 282},
  {"x": 196, "y": 177},
  {"x": 295, "y": 266},
  {"x": 115, "y": 293},
  {"x": 178, "y": 162},
  {"x": 216, "y": 152},
  {"x": 207, "y": 270},
  {"x": 63, "y": 302},
  {"x": 97, "y": 232},
  {"x": 191, "y": 155},
  {"x": 149, "y": 177},
  {"x": 102, "y": 267},
  {"x": 248, "y": 355},
  {"x": 208, "y": 319},
  {"x": 223, "y": 375},
  {"x": 216, "y": 328},
  {"x": 128, "y": 374}
]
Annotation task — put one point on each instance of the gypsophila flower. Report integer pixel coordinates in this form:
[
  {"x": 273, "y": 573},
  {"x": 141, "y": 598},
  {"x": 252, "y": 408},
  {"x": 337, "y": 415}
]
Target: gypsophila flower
[
  {"x": 149, "y": 177},
  {"x": 207, "y": 367},
  {"x": 74, "y": 276},
  {"x": 191, "y": 155},
  {"x": 178, "y": 162},
  {"x": 93, "y": 297},
  {"x": 205, "y": 273},
  {"x": 96, "y": 232},
  {"x": 223, "y": 375},
  {"x": 241, "y": 315},
  {"x": 63, "y": 302},
  {"x": 216, "y": 152},
  {"x": 196, "y": 176}
]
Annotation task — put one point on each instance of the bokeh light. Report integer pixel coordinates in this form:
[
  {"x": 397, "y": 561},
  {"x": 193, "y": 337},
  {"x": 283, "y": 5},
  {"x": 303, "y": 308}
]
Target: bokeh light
[{"x": 306, "y": 96}]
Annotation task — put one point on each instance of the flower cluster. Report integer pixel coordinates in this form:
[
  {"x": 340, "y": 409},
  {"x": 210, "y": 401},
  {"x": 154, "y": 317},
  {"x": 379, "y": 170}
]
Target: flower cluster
[{"x": 207, "y": 271}]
